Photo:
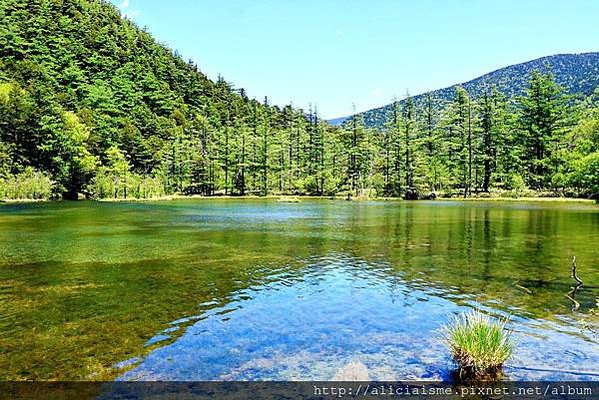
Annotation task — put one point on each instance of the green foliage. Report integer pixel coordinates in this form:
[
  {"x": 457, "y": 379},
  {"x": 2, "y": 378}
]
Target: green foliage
[
  {"x": 109, "y": 186},
  {"x": 5, "y": 159},
  {"x": 479, "y": 345},
  {"x": 30, "y": 184},
  {"x": 116, "y": 181},
  {"x": 586, "y": 175},
  {"x": 517, "y": 185},
  {"x": 543, "y": 114},
  {"x": 80, "y": 81},
  {"x": 96, "y": 104}
]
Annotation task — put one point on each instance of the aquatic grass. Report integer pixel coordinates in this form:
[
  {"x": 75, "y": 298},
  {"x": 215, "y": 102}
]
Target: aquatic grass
[{"x": 479, "y": 344}]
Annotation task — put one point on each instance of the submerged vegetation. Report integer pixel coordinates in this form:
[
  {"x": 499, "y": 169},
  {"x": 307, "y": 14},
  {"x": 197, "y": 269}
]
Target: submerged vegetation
[
  {"x": 95, "y": 104},
  {"x": 479, "y": 344},
  {"x": 86, "y": 287}
]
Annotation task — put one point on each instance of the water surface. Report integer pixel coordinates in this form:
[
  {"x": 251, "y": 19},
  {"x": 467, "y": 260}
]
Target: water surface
[{"x": 258, "y": 290}]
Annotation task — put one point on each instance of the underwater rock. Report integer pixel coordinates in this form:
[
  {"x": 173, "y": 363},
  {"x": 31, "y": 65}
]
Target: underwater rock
[{"x": 352, "y": 372}]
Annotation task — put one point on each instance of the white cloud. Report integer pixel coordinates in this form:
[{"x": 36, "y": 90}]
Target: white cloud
[
  {"x": 127, "y": 11},
  {"x": 376, "y": 92}
]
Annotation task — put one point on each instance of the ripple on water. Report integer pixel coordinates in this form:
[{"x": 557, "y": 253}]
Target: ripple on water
[{"x": 342, "y": 310}]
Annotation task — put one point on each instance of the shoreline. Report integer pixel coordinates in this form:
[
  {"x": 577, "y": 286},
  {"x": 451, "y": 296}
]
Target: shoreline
[
  {"x": 522, "y": 199},
  {"x": 24, "y": 201},
  {"x": 298, "y": 199}
]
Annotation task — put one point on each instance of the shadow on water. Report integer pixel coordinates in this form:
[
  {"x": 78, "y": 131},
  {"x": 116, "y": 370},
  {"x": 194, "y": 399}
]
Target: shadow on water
[{"x": 258, "y": 290}]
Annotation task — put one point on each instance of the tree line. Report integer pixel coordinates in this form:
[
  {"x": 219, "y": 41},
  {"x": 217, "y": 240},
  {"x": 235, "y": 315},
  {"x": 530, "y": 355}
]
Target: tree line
[
  {"x": 544, "y": 142},
  {"x": 91, "y": 105}
]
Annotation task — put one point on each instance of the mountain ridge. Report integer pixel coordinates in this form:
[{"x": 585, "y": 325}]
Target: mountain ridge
[{"x": 578, "y": 73}]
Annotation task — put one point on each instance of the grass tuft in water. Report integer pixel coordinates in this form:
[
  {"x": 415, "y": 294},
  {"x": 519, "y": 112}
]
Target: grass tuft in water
[{"x": 479, "y": 344}]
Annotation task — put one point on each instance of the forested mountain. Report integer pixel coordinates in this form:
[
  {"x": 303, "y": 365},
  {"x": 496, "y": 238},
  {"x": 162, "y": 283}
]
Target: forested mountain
[
  {"x": 576, "y": 73},
  {"x": 91, "y": 105},
  {"x": 93, "y": 101}
]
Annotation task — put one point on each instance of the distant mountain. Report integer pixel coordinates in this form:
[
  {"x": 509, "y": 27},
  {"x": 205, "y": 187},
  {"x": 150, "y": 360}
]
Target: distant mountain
[
  {"x": 577, "y": 73},
  {"x": 338, "y": 121}
]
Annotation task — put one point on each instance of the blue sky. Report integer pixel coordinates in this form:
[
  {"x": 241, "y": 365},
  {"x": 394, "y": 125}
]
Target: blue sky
[{"x": 335, "y": 53}]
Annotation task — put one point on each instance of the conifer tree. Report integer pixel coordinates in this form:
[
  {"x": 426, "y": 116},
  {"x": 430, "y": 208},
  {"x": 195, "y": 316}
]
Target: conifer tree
[{"x": 543, "y": 110}]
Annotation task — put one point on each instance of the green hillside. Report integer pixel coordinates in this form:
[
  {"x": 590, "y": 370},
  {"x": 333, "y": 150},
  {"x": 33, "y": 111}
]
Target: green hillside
[{"x": 92, "y": 100}]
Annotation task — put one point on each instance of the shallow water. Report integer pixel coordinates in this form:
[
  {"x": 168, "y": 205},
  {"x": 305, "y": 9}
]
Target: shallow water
[{"x": 258, "y": 290}]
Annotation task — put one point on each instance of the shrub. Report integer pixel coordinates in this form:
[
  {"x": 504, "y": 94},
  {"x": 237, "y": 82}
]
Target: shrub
[
  {"x": 28, "y": 185},
  {"x": 479, "y": 344},
  {"x": 518, "y": 185},
  {"x": 107, "y": 184},
  {"x": 586, "y": 175}
]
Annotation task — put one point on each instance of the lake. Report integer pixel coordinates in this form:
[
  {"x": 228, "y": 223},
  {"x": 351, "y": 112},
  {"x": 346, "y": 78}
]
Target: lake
[{"x": 259, "y": 290}]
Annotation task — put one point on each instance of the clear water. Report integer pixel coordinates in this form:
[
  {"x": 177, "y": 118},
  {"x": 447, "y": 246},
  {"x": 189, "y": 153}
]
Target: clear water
[{"x": 259, "y": 290}]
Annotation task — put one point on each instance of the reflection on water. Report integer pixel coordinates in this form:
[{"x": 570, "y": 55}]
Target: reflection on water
[{"x": 258, "y": 290}]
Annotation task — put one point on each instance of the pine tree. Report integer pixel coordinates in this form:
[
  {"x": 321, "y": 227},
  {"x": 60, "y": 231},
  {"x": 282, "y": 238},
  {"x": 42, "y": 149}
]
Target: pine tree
[
  {"x": 460, "y": 137},
  {"x": 265, "y": 144},
  {"x": 542, "y": 120},
  {"x": 409, "y": 128},
  {"x": 396, "y": 150}
]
